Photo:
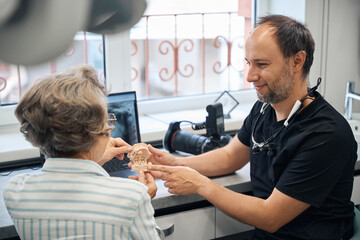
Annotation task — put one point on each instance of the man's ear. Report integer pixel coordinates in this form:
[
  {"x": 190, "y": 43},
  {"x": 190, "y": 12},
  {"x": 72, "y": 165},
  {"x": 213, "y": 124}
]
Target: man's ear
[{"x": 298, "y": 61}]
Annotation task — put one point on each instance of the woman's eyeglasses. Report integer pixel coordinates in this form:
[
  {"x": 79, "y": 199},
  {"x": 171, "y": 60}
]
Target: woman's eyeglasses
[{"x": 111, "y": 121}]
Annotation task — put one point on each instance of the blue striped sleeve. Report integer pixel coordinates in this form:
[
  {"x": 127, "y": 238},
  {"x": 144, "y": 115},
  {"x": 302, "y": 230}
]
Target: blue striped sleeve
[{"x": 144, "y": 226}]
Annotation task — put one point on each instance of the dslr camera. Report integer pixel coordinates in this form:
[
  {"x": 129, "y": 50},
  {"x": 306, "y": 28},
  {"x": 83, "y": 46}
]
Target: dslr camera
[{"x": 175, "y": 139}]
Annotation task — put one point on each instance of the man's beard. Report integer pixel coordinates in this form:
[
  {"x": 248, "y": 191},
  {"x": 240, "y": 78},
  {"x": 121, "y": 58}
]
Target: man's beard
[{"x": 280, "y": 90}]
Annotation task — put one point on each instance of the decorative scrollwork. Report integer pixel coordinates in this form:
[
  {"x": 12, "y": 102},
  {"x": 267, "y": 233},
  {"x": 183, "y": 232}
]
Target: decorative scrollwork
[
  {"x": 216, "y": 65},
  {"x": 101, "y": 77},
  {"x": 71, "y": 52},
  {"x": 136, "y": 74},
  {"x": 239, "y": 43},
  {"x": 187, "y": 66},
  {"x": 135, "y": 49},
  {"x": 3, "y": 83},
  {"x": 162, "y": 43},
  {"x": 164, "y": 69},
  {"x": 165, "y": 51},
  {"x": 100, "y": 47},
  {"x": 188, "y": 47},
  {"x": 217, "y": 43},
  {"x": 36, "y": 79}
]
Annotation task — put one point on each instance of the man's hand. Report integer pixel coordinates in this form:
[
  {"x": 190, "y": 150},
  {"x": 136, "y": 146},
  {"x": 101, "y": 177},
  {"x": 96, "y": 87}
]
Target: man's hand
[
  {"x": 148, "y": 180},
  {"x": 181, "y": 180},
  {"x": 116, "y": 147},
  {"x": 161, "y": 157}
]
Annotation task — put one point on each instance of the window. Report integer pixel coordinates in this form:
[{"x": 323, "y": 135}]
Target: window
[
  {"x": 179, "y": 48},
  {"x": 15, "y": 80},
  {"x": 182, "y": 48}
]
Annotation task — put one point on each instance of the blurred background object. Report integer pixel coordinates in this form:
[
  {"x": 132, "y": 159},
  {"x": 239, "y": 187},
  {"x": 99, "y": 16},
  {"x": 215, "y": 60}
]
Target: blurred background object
[{"x": 36, "y": 31}]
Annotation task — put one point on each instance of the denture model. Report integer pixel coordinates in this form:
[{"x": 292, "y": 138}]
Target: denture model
[{"x": 139, "y": 156}]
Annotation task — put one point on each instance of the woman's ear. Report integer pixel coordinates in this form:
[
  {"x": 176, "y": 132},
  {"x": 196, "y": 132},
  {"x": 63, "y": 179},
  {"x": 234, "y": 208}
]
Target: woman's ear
[{"x": 298, "y": 61}]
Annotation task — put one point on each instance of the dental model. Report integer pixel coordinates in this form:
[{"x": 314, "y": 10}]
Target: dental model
[{"x": 139, "y": 156}]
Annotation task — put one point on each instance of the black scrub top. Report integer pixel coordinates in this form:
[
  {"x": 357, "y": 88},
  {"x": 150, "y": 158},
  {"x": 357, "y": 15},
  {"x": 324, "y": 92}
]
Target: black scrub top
[{"x": 311, "y": 160}]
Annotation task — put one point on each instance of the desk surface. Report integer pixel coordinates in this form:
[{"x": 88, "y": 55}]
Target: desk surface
[{"x": 238, "y": 181}]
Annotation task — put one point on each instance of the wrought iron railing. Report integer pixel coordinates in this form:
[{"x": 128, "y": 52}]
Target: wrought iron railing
[
  {"x": 175, "y": 47},
  {"x": 209, "y": 59}
]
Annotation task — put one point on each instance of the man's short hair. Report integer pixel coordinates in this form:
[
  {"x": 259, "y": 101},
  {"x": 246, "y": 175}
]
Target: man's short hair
[{"x": 292, "y": 37}]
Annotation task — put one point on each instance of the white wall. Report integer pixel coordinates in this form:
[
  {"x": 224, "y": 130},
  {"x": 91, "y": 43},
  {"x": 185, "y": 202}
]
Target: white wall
[
  {"x": 343, "y": 51},
  {"x": 335, "y": 26},
  {"x": 292, "y": 8},
  {"x": 316, "y": 15}
]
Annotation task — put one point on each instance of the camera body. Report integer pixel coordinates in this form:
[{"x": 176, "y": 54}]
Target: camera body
[{"x": 175, "y": 139}]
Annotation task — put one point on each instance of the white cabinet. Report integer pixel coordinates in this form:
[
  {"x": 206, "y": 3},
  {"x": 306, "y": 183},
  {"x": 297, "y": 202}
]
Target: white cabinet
[
  {"x": 200, "y": 224},
  {"x": 356, "y": 190},
  {"x": 226, "y": 225},
  {"x": 196, "y": 224},
  {"x": 209, "y": 222}
]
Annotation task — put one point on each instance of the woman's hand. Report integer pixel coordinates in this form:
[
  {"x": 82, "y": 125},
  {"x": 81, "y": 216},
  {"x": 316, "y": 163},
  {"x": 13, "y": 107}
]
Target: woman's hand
[
  {"x": 116, "y": 147},
  {"x": 147, "y": 179},
  {"x": 181, "y": 180}
]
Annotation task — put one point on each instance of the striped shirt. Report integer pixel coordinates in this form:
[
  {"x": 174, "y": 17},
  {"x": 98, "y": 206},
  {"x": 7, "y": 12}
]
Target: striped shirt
[{"x": 77, "y": 199}]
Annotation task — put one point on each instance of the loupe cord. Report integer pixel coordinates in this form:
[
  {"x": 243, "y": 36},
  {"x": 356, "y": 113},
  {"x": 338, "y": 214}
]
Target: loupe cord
[
  {"x": 288, "y": 121},
  {"x": 311, "y": 90}
]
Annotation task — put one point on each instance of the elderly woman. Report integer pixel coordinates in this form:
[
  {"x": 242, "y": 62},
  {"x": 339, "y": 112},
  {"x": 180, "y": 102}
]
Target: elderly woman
[{"x": 65, "y": 115}]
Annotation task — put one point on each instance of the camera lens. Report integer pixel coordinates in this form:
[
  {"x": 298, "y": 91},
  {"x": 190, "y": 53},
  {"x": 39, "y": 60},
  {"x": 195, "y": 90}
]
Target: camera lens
[
  {"x": 187, "y": 142},
  {"x": 175, "y": 139}
]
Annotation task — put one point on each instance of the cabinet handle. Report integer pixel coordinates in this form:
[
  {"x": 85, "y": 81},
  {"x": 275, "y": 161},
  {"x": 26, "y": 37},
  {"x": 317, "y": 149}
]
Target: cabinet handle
[{"x": 169, "y": 230}]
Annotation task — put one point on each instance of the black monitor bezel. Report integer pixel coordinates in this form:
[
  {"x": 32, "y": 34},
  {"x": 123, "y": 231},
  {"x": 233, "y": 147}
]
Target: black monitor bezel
[{"x": 135, "y": 107}]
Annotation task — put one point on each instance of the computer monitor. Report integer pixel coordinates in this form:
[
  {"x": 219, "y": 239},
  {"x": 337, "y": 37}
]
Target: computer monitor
[{"x": 124, "y": 106}]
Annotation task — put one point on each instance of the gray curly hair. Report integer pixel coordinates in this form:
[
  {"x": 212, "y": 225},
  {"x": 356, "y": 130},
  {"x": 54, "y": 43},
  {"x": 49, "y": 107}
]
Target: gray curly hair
[{"x": 64, "y": 114}]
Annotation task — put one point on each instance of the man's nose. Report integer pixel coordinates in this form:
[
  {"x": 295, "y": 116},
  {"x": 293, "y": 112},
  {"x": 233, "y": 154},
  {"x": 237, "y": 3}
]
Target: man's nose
[{"x": 252, "y": 75}]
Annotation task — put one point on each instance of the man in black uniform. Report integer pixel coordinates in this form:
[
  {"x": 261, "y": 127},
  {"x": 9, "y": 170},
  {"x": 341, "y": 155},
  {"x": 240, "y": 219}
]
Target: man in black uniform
[{"x": 301, "y": 151}]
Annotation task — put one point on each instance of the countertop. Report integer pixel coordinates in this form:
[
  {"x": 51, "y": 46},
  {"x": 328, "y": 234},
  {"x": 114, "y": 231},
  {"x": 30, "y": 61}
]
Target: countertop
[{"x": 238, "y": 181}]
